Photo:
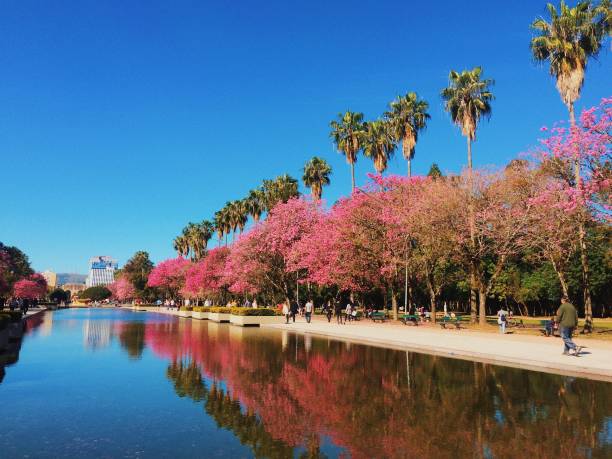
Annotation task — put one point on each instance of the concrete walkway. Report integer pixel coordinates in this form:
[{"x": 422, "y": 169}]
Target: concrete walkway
[{"x": 521, "y": 351}]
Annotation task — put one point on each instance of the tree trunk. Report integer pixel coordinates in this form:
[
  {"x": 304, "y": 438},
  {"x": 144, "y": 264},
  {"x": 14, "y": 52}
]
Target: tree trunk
[
  {"x": 473, "y": 301},
  {"x": 353, "y": 177},
  {"x": 588, "y": 306},
  {"x": 586, "y": 290},
  {"x": 482, "y": 310},
  {"x": 394, "y": 303},
  {"x": 432, "y": 305},
  {"x": 409, "y": 167}
]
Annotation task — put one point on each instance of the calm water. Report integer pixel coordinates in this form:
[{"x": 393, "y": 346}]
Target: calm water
[{"x": 115, "y": 383}]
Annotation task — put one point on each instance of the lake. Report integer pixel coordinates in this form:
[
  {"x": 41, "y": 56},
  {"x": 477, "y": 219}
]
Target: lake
[{"x": 116, "y": 383}]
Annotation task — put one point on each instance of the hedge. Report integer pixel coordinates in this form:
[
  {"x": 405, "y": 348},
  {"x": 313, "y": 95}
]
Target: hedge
[
  {"x": 253, "y": 312},
  {"x": 220, "y": 309},
  {"x": 186, "y": 308}
]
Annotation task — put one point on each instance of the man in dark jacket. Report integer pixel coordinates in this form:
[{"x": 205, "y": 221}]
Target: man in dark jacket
[
  {"x": 293, "y": 309},
  {"x": 567, "y": 318}
]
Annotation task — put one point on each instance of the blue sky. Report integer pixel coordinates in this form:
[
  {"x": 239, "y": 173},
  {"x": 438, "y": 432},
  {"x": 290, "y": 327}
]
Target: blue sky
[{"x": 122, "y": 121}]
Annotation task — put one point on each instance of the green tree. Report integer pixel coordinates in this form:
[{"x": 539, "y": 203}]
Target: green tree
[
  {"x": 97, "y": 293},
  {"x": 137, "y": 270},
  {"x": 316, "y": 176},
  {"x": 408, "y": 116},
  {"x": 346, "y": 133},
  {"x": 434, "y": 171},
  {"x": 14, "y": 265},
  {"x": 378, "y": 143},
  {"x": 467, "y": 100}
]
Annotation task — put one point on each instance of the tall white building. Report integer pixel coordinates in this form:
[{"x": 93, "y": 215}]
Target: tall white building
[{"x": 101, "y": 271}]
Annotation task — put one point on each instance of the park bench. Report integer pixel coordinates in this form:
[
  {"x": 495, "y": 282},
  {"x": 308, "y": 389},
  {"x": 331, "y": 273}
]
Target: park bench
[
  {"x": 547, "y": 327},
  {"x": 379, "y": 316},
  {"x": 410, "y": 318},
  {"x": 446, "y": 320}
]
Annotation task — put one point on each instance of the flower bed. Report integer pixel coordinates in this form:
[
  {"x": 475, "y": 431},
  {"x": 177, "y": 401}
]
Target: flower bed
[{"x": 253, "y": 312}]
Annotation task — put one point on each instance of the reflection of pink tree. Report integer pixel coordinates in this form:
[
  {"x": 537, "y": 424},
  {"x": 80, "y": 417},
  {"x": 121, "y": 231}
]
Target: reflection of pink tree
[
  {"x": 122, "y": 289},
  {"x": 33, "y": 287},
  {"x": 169, "y": 275}
]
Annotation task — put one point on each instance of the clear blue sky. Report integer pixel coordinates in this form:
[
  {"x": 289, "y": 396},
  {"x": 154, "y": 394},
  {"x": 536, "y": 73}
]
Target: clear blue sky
[{"x": 122, "y": 121}]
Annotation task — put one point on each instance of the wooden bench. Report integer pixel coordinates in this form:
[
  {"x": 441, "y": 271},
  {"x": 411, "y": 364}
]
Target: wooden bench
[
  {"x": 447, "y": 320},
  {"x": 410, "y": 318},
  {"x": 381, "y": 316}
]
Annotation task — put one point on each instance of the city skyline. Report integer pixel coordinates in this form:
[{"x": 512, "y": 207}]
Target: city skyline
[{"x": 151, "y": 130}]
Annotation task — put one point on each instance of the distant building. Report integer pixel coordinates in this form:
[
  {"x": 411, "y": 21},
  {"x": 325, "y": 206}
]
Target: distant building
[
  {"x": 74, "y": 288},
  {"x": 101, "y": 271},
  {"x": 51, "y": 278},
  {"x": 70, "y": 278}
]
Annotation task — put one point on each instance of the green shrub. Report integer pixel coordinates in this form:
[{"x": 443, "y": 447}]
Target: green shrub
[
  {"x": 186, "y": 308},
  {"x": 220, "y": 309},
  {"x": 13, "y": 316},
  {"x": 253, "y": 312},
  {"x": 201, "y": 309}
]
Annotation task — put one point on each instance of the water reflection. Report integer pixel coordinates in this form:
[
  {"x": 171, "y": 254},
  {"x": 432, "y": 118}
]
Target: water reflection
[
  {"x": 285, "y": 395},
  {"x": 11, "y": 338},
  {"x": 288, "y": 391}
]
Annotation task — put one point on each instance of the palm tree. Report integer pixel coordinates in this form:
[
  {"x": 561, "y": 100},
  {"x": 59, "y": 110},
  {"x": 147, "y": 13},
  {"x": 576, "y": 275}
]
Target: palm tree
[
  {"x": 408, "y": 116},
  {"x": 316, "y": 176},
  {"x": 572, "y": 36},
  {"x": 222, "y": 224},
  {"x": 346, "y": 133},
  {"x": 206, "y": 229},
  {"x": 255, "y": 203},
  {"x": 181, "y": 245},
  {"x": 468, "y": 99},
  {"x": 281, "y": 189},
  {"x": 378, "y": 143}
]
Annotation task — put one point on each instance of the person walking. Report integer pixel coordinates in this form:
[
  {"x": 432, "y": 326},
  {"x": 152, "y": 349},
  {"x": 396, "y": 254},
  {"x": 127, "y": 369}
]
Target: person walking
[
  {"x": 567, "y": 318},
  {"x": 286, "y": 312},
  {"x": 338, "y": 312},
  {"x": 294, "y": 308},
  {"x": 308, "y": 308},
  {"x": 501, "y": 320},
  {"x": 328, "y": 311},
  {"x": 347, "y": 312}
]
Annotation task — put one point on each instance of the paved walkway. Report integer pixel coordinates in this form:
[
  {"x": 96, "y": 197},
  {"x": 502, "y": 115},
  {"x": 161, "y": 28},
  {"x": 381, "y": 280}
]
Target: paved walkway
[{"x": 521, "y": 351}]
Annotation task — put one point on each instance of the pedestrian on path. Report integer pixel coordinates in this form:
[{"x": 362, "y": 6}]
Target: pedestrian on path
[
  {"x": 294, "y": 308},
  {"x": 501, "y": 319},
  {"x": 308, "y": 308},
  {"x": 347, "y": 312},
  {"x": 328, "y": 311},
  {"x": 567, "y": 318},
  {"x": 286, "y": 311},
  {"x": 338, "y": 312}
]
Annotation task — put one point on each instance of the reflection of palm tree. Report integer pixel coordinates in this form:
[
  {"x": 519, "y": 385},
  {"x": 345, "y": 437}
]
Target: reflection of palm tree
[
  {"x": 247, "y": 427},
  {"x": 187, "y": 379},
  {"x": 132, "y": 338}
]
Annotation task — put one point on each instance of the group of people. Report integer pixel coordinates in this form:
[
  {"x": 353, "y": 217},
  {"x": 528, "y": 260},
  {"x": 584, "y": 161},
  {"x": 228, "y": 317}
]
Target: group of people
[
  {"x": 18, "y": 304},
  {"x": 566, "y": 321},
  {"x": 291, "y": 309}
]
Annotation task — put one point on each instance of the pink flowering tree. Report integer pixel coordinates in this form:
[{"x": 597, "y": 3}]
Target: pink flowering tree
[
  {"x": 122, "y": 289},
  {"x": 169, "y": 275},
  {"x": 581, "y": 157},
  {"x": 33, "y": 287},
  {"x": 206, "y": 278},
  {"x": 259, "y": 260},
  {"x": 349, "y": 250}
]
